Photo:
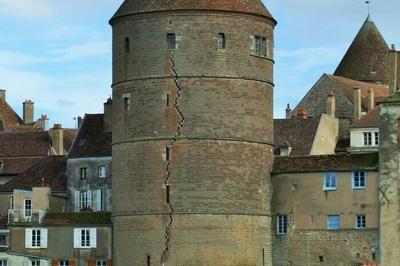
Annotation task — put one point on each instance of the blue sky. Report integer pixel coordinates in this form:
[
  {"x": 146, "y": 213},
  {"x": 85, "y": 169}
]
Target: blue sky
[{"x": 58, "y": 53}]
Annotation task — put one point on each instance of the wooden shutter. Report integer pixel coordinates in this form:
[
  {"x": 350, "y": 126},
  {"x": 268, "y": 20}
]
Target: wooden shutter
[
  {"x": 43, "y": 238},
  {"x": 91, "y": 262},
  {"x": 109, "y": 262},
  {"x": 28, "y": 238},
  {"x": 77, "y": 201},
  {"x": 54, "y": 263},
  {"x": 93, "y": 237},
  {"x": 98, "y": 200},
  {"x": 77, "y": 237},
  {"x": 72, "y": 263}
]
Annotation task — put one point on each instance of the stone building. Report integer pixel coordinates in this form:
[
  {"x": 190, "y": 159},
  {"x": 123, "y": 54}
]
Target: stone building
[
  {"x": 191, "y": 182},
  {"x": 89, "y": 166}
]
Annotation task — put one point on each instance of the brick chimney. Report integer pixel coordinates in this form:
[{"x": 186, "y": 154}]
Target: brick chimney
[
  {"x": 371, "y": 100},
  {"x": 301, "y": 113},
  {"x": 44, "y": 122},
  {"x": 2, "y": 95},
  {"x": 57, "y": 139},
  {"x": 357, "y": 103},
  {"x": 393, "y": 70},
  {"x": 288, "y": 112},
  {"x": 28, "y": 111},
  {"x": 331, "y": 104},
  {"x": 108, "y": 116}
]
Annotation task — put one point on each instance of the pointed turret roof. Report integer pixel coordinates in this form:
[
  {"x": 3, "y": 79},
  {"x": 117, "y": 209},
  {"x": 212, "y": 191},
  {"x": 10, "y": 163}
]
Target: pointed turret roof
[
  {"x": 367, "y": 59},
  {"x": 131, "y": 7}
]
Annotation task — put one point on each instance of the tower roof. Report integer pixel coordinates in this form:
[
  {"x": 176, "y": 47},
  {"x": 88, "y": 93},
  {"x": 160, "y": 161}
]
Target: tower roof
[
  {"x": 131, "y": 7},
  {"x": 367, "y": 59}
]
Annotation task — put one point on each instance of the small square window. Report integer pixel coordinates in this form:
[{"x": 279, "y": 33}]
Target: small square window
[
  {"x": 330, "y": 181},
  {"x": 358, "y": 180},
  {"x": 367, "y": 138},
  {"x": 83, "y": 172},
  {"x": 333, "y": 222},
  {"x": 102, "y": 171},
  {"x": 171, "y": 41},
  {"x": 101, "y": 263},
  {"x": 360, "y": 221},
  {"x": 282, "y": 224}
]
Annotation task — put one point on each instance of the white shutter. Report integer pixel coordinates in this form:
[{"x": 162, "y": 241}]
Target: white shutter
[
  {"x": 93, "y": 237},
  {"x": 77, "y": 201},
  {"x": 98, "y": 200},
  {"x": 77, "y": 237},
  {"x": 253, "y": 44},
  {"x": 44, "y": 263},
  {"x": 27, "y": 263},
  {"x": 89, "y": 199},
  {"x": 28, "y": 238},
  {"x": 43, "y": 240}
]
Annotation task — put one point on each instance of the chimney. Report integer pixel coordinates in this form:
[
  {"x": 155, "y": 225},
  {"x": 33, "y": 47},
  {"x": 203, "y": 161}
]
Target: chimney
[
  {"x": 393, "y": 70},
  {"x": 28, "y": 109},
  {"x": 57, "y": 139},
  {"x": 44, "y": 122},
  {"x": 371, "y": 100},
  {"x": 2, "y": 95},
  {"x": 288, "y": 112},
  {"x": 331, "y": 104},
  {"x": 80, "y": 120},
  {"x": 357, "y": 103},
  {"x": 301, "y": 113},
  {"x": 108, "y": 116}
]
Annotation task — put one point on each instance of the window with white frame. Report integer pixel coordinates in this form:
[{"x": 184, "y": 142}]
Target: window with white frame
[
  {"x": 27, "y": 208},
  {"x": 3, "y": 262},
  {"x": 367, "y": 138},
  {"x": 85, "y": 238},
  {"x": 282, "y": 224},
  {"x": 98, "y": 199},
  {"x": 358, "y": 180},
  {"x": 102, "y": 171},
  {"x": 11, "y": 202},
  {"x": 35, "y": 262},
  {"x": 330, "y": 181},
  {"x": 63, "y": 263},
  {"x": 101, "y": 263},
  {"x": 35, "y": 238},
  {"x": 333, "y": 222},
  {"x": 360, "y": 221},
  {"x": 83, "y": 172},
  {"x": 376, "y": 138}
]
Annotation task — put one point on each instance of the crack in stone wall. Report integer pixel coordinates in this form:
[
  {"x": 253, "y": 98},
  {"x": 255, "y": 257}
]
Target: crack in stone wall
[{"x": 168, "y": 166}]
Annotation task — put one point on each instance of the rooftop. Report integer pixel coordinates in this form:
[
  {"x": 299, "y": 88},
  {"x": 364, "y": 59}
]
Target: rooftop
[
  {"x": 77, "y": 218},
  {"x": 326, "y": 163},
  {"x": 371, "y": 119}
]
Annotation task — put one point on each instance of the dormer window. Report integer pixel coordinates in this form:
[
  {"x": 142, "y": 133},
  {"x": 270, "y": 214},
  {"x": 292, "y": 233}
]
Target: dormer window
[
  {"x": 367, "y": 138},
  {"x": 221, "y": 41}
]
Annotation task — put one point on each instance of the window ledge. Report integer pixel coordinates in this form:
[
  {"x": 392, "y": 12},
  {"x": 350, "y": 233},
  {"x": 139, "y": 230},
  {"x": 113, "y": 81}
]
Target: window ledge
[
  {"x": 329, "y": 189},
  {"x": 358, "y": 188}
]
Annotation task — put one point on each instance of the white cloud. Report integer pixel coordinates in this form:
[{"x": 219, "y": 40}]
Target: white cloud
[
  {"x": 27, "y": 8},
  {"x": 95, "y": 48},
  {"x": 14, "y": 59}
]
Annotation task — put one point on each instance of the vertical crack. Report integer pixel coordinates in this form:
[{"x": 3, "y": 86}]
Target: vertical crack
[{"x": 172, "y": 142}]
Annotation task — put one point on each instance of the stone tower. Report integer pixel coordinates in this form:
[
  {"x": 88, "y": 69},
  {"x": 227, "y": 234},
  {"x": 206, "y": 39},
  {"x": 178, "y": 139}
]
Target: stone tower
[{"x": 192, "y": 132}]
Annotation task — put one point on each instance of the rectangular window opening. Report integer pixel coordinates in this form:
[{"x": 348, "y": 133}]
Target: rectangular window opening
[
  {"x": 367, "y": 138},
  {"x": 360, "y": 221},
  {"x": 377, "y": 138},
  {"x": 126, "y": 103},
  {"x": 148, "y": 260},
  {"x": 221, "y": 41},
  {"x": 359, "y": 181},
  {"x": 321, "y": 258},
  {"x": 28, "y": 208},
  {"x": 127, "y": 45},
  {"x": 282, "y": 224},
  {"x": 101, "y": 263},
  {"x": 171, "y": 41},
  {"x": 333, "y": 222},
  {"x": 167, "y": 193},
  {"x": 330, "y": 181},
  {"x": 83, "y": 172},
  {"x": 167, "y": 154},
  {"x": 63, "y": 263},
  {"x": 260, "y": 46},
  {"x": 102, "y": 171},
  {"x": 168, "y": 100}
]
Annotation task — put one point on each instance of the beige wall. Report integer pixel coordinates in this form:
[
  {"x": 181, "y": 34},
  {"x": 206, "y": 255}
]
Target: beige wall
[
  {"x": 309, "y": 206},
  {"x": 326, "y": 136},
  {"x": 19, "y": 197},
  {"x": 4, "y": 203},
  {"x": 41, "y": 198}
]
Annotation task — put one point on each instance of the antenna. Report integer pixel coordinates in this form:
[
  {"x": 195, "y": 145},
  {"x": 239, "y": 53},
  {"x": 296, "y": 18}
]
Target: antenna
[{"x": 368, "y": 3}]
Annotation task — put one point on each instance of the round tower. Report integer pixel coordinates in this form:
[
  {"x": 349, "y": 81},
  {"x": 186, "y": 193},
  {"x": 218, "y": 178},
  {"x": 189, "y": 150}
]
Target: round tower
[{"x": 192, "y": 132}]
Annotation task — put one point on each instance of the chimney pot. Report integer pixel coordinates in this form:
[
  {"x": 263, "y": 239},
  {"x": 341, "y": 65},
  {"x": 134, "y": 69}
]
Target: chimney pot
[
  {"x": 371, "y": 100},
  {"x": 107, "y": 118},
  {"x": 331, "y": 104},
  {"x": 393, "y": 78},
  {"x": 301, "y": 113},
  {"x": 44, "y": 122}
]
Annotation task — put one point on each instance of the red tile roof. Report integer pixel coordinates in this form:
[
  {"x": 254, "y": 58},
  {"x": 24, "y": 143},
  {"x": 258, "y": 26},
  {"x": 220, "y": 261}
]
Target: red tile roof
[
  {"x": 130, "y": 7},
  {"x": 49, "y": 171},
  {"x": 91, "y": 140},
  {"x": 371, "y": 119},
  {"x": 297, "y": 133}
]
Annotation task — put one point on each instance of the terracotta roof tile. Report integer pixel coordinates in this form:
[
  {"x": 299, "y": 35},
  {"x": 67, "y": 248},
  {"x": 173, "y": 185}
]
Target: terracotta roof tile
[
  {"x": 26, "y": 144},
  {"x": 371, "y": 119},
  {"x": 326, "y": 163},
  {"x": 297, "y": 133},
  {"x": 130, "y": 7},
  {"x": 12, "y": 166},
  {"x": 80, "y": 218},
  {"x": 346, "y": 86},
  {"x": 91, "y": 140},
  {"x": 367, "y": 59},
  {"x": 8, "y": 116},
  {"x": 49, "y": 171}
]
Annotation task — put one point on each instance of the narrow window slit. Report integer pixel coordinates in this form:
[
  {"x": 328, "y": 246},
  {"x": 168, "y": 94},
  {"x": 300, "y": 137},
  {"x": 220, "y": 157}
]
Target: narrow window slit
[
  {"x": 171, "y": 41},
  {"x": 167, "y": 100},
  {"x": 127, "y": 45},
  {"x": 167, "y": 154},
  {"x": 148, "y": 260},
  {"x": 167, "y": 194}
]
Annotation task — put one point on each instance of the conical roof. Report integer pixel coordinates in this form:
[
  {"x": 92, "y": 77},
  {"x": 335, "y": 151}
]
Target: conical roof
[
  {"x": 131, "y": 7},
  {"x": 367, "y": 59}
]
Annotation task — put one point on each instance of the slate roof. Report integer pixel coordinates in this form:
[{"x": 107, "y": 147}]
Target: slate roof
[
  {"x": 91, "y": 140},
  {"x": 130, "y": 7},
  {"x": 77, "y": 218},
  {"x": 368, "y": 53},
  {"x": 326, "y": 163},
  {"x": 298, "y": 133},
  {"x": 27, "y": 144},
  {"x": 49, "y": 171},
  {"x": 14, "y": 166},
  {"x": 346, "y": 86},
  {"x": 371, "y": 119}
]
